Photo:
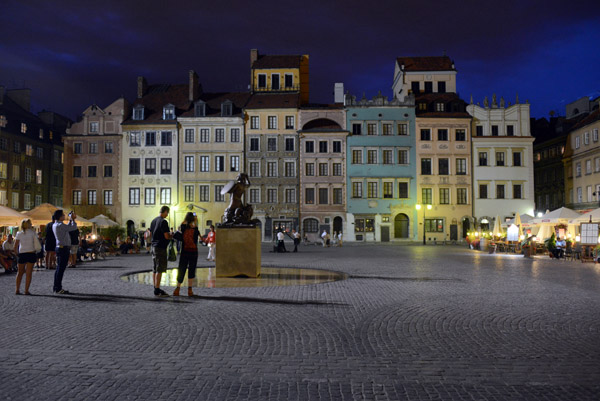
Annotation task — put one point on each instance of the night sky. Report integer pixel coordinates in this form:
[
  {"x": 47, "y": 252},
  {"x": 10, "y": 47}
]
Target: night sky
[{"x": 74, "y": 53}]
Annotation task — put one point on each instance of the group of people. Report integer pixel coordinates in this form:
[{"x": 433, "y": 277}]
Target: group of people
[
  {"x": 280, "y": 247},
  {"x": 331, "y": 240}
]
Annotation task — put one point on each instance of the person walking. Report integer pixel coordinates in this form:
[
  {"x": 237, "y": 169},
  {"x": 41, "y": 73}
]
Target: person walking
[
  {"x": 27, "y": 244},
  {"x": 50, "y": 246},
  {"x": 296, "y": 236},
  {"x": 281, "y": 241},
  {"x": 340, "y": 239},
  {"x": 161, "y": 235},
  {"x": 188, "y": 258},
  {"x": 63, "y": 247},
  {"x": 211, "y": 241},
  {"x": 323, "y": 235}
]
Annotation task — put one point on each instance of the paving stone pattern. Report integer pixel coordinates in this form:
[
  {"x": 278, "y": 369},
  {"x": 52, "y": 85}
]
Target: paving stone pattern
[{"x": 410, "y": 323}]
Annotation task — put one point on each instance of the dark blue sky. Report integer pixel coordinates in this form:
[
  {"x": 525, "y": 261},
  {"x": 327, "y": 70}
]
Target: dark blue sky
[{"x": 74, "y": 53}]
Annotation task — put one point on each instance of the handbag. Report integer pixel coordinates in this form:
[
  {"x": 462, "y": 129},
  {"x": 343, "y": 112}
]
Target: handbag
[
  {"x": 178, "y": 236},
  {"x": 36, "y": 244},
  {"x": 171, "y": 252}
]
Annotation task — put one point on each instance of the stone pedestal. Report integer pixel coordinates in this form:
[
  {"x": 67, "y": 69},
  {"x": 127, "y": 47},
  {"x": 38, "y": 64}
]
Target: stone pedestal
[{"x": 238, "y": 251}]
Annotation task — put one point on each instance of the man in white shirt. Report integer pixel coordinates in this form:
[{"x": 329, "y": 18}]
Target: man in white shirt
[
  {"x": 63, "y": 246},
  {"x": 9, "y": 245}
]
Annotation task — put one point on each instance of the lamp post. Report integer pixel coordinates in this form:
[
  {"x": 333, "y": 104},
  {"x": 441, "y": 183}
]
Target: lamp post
[{"x": 427, "y": 207}]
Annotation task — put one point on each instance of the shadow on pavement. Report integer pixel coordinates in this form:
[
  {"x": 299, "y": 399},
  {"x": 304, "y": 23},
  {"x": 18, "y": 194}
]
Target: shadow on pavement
[{"x": 110, "y": 298}]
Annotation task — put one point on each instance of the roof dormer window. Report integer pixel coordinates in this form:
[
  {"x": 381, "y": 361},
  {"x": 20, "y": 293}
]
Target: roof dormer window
[
  {"x": 169, "y": 112},
  {"x": 138, "y": 112},
  {"x": 226, "y": 108},
  {"x": 200, "y": 109},
  {"x": 439, "y": 107}
]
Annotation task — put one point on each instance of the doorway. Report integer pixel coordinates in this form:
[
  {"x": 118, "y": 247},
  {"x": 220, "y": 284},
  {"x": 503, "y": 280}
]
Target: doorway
[{"x": 401, "y": 226}]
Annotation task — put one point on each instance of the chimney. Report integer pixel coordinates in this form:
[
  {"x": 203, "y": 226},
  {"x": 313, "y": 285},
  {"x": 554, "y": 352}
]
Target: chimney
[
  {"x": 22, "y": 97},
  {"x": 2, "y": 92},
  {"x": 253, "y": 56},
  {"x": 194, "y": 86},
  {"x": 338, "y": 92},
  {"x": 142, "y": 87}
]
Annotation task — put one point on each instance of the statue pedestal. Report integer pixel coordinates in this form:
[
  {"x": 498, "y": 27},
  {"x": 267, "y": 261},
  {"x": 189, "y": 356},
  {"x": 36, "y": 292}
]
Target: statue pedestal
[{"x": 238, "y": 251}]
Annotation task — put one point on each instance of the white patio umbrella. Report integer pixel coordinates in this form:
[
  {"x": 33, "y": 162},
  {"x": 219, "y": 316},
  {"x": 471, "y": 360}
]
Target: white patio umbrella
[
  {"x": 103, "y": 221},
  {"x": 561, "y": 215},
  {"x": 10, "y": 217},
  {"x": 497, "y": 231},
  {"x": 584, "y": 218}
]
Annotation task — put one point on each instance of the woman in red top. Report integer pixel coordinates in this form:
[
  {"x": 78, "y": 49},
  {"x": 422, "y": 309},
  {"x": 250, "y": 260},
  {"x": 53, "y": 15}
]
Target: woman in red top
[
  {"x": 211, "y": 240},
  {"x": 188, "y": 258}
]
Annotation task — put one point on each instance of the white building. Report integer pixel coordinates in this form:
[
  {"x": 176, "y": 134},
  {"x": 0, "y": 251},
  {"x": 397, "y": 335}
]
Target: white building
[{"x": 502, "y": 154}]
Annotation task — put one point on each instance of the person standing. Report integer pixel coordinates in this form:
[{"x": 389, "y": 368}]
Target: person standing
[
  {"x": 74, "y": 247},
  {"x": 188, "y": 258},
  {"x": 148, "y": 240},
  {"x": 161, "y": 235},
  {"x": 281, "y": 241},
  {"x": 63, "y": 246},
  {"x": 323, "y": 235},
  {"x": 40, "y": 254},
  {"x": 340, "y": 239},
  {"x": 27, "y": 244},
  {"x": 211, "y": 240},
  {"x": 296, "y": 236},
  {"x": 50, "y": 246}
]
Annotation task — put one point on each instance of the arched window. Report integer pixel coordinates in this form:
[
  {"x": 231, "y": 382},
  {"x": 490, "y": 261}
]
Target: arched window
[{"x": 311, "y": 226}]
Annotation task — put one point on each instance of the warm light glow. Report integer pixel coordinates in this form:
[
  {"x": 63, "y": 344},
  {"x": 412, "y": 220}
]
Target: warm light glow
[
  {"x": 522, "y": 237},
  {"x": 428, "y": 207},
  {"x": 476, "y": 234},
  {"x": 569, "y": 235},
  {"x": 540, "y": 214},
  {"x": 577, "y": 238},
  {"x": 94, "y": 237},
  {"x": 418, "y": 207}
]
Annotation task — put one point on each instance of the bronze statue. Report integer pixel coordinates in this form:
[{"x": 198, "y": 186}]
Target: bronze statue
[{"x": 238, "y": 212}]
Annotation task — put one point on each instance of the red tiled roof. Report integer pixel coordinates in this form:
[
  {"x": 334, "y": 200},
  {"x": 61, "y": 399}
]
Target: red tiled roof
[
  {"x": 442, "y": 63},
  {"x": 592, "y": 117},
  {"x": 214, "y": 101},
  {"x": 158, "y": 96},
  {"x": 267, "y": 61},
  {"x": 274, "y": 101}
]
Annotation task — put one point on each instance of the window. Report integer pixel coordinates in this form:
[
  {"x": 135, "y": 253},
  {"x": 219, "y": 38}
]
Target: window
[
  {"x": 188, "y": 193},
  {"x": 461, "y": 166},
  {"x": 444, "y": 196},
  {"x": 166, "y": 138},
  {"x": 3, "y": 170},
  {"x": 165, "y": 166},
  {"x": 479, "y": 130},
  {"x": 289, "y": 80},
  {"x": 403, "y": 190},
  {"x": 108, "y": 197},
  {"x": 40, "y": 153},
  {"x": 357, "y": 190},
  {"x": 579, "y": 195},
  {"x": 499, "y": 158},
  {"x": 595, "y": 135},
  {"x": 323, "y": 169},
  {"x": 38, "y": 199},
  {"x": 204, "y": 164},
  {"x": 290, "y": 195},
  {"x": 388, "y": 156},
  {"x": 204, "y": 192},
  {"x": 234, "y": 163},
  {"x": 311, "y": 226},
  {"x": 189, "y": 164},
  {"x": 138, "y": 112},
  {"x": 422, "y": 106},
  {"x": 461, "y": 135},
  {"x": 271, "y": 169},
  {"x": 165, "y": 196},
  {"x": 517, "y": 159},
  {"x": 151, "y": 138},
  {"x": 426, "y": 196},
  {"x": 91, "y": 197},
  {"x": 371, "y": 129},
  {"x": 271, "y": 195},
  {"x": 322, "y": 146},
  {"x": 76, "y": 197},
  {"x": 483, "y": 191},
  {"x": 134, "y": 139},
  {"x": 439, "y": 106},
  {"x": 425, "y": 166},
  {"x": 255, "y": 122},
  {"x": 309, "y": 147},
  {"x": 289, "y": 121},
  {"x": 428, "y": 86},
  {"x": 28, "y": 174},
  {"x": 23, "y": 128},
  {"x": 108, "y": 147},
  {"x": 402, "y": 129},
  {"x": 588, "y": 167},
  {"x": 388, "y": 189},
  {"x": 461, "y": 196},
  {"x": 169, "y": 112},
  {"x": 219, "y": 135},
  {"x": 272, "y": 122},
  {"x": 371, "y": 156},
  {"x": 310, "y": 169},
  {"x": 15, "y": 200},
  {"x": 434, "y": 225},
  {"x": 199, "y": 109},
  {"x": 578, "y": 170},
  {"x": 290, "y": 169},
  {"x": 441, "y": 86},
  {"x": 494, "y": 130},
  {"x": 586, "y": 138},
  {"x": 517, "y": 191},
  {"x": 357, "y": 156},
  {"x": 189, "y": 135},
  {"x": 17, "y": 172},
  {"x": 234, "y": 135},
  {"x": 219, "y": 163},
  {"x": 337, "y": 146},
  {"x": 357, "y": 129},
  {"x": 77, "y": 148},
  {"x": 275, "y": 82},
  {"x": 289, "y": 144},
  {"x": 414, "y": 87},
  {"x": 3, "y": 144},
  {"x": 150, "y": 166},
  {"x": 372, "y": 189},
  {"x": 323, "y": 196},
  {"x": 226, "y": 109},
  {"x": 483, "y": 158},
  {"x": 92, "y": 171},
  {"x": 271, "y": 144},
  {"x": 93, "y": 147},
  {"x": 510, "y": 130},
  {"x": 577, "y": 142},
  {"x": 500, "y": 191},
  {"x": 309, "y": 196},
  {"x": 204, "y": 135},
  {"x": 254, "y": 195},
  {"x": 254, "y": 144},
  {"x": 387, "y": 129},
  {"x": 426, "y": 135},
  {"x": 149, "y": 196},
  {"x": 443, "y": 167},
  {"x": 38, "y": 176},
  {"x": 108, "y": 171},
  {"x": 254, "y": 169},
  {"x": 76, "y": 172},
  {"x": 403, "y": 156},
  {"x": 337, "y": 169},
  {"x": 337, "y": 196},
  {"x": 262, "y": 81}
]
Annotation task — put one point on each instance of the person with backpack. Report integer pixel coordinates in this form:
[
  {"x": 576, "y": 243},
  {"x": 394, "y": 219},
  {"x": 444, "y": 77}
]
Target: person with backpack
[{"x": 188, "y": 258}]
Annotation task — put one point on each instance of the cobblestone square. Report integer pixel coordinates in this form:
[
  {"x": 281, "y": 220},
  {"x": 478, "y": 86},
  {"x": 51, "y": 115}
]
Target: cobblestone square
[{"x": 410, "y": 322}]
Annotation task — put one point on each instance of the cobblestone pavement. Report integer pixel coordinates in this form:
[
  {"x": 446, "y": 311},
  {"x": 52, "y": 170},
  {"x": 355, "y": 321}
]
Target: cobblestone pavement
[{"x": 410, "y": 322}]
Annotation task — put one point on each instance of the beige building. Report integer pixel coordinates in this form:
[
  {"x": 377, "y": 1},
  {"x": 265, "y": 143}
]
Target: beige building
[{"x": 418, "y": 75}]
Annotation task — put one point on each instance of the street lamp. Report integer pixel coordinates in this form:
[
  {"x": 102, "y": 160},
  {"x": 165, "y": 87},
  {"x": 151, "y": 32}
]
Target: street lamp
[{"x": 428, "y": 207}]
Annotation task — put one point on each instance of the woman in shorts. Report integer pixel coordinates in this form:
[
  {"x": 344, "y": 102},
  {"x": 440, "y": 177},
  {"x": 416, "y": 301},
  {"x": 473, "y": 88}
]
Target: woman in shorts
[{"x": 27, "y": 244}]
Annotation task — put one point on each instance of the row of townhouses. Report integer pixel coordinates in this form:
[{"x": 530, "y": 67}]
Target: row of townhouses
[{"x": 424, "y": 163}]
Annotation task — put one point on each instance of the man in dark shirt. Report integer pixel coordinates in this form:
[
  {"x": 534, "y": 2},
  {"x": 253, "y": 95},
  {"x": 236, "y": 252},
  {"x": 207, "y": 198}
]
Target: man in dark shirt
[
  {"x": 50, "y": 246},
  {"x": 161, "y": 235}
]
